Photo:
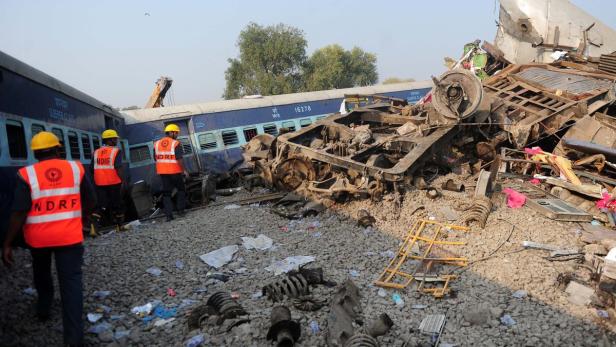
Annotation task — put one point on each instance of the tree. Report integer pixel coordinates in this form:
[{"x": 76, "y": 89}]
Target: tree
[
  {"x": 270, "y": 61},
  {"x": 334, "y": 67},
  {"x": 392, "y": 80}
]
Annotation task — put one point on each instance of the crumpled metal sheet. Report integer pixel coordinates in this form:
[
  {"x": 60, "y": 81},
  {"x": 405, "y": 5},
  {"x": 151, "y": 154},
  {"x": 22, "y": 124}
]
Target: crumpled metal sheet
[{"x": 566, "y": 82}]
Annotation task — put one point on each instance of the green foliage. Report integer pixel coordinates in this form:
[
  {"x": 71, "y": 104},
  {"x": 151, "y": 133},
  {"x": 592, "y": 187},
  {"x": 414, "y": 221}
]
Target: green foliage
[
  {"x": 270, "y": 62},
  {"x": 273, "y": 61},
  {"x": 392, "y": 80},
  {"x": 334, "y": 67}
]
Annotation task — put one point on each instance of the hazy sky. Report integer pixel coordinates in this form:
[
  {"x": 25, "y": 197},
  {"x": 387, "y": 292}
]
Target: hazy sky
[{"x": 115, "y": 52}]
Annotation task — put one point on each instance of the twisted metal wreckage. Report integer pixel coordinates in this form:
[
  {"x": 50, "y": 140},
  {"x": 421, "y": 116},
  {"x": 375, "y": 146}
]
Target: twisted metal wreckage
[
  {"x": 505, "y": 95},
  {"x": 388, "y": 144}
]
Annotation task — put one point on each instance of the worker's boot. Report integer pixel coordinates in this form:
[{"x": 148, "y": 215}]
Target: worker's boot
[
  {"x": 94, "y": 227},
  {"x": 119, "y": 220}
]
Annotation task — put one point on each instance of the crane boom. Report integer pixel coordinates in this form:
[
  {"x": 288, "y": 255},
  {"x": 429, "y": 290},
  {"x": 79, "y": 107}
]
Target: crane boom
[{"x": 158, "y": 94}]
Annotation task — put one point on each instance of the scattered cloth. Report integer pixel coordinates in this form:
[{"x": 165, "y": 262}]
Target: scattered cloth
[
  {"x": 219, "y": 257},
  {"x": 520, "y": 294},
  {"x": 101, "y": 294},
  {"x": 143, "y": 310},
  {"x": 606, "y": 202},
  {"x": 507, "y": 320},
  {"x": 94, "y": 317},
  {"x": 289, "y": 263},
  {"x": 164, "y": 313},
  {"x": 514, "y": 199},
  {"x": 99, "y": 328},
  {"x": 195, "y": 341},
  {"x": 30, "y": 291},
  {"x": 260, "y": 242},
  {"x": 154, "y": 271},
  {"x": 533, "y": 151},
  {"x": 231, "y": 207}
]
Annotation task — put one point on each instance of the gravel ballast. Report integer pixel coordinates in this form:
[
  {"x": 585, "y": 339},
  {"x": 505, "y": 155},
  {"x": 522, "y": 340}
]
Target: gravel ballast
[{"x": 484, "y": 293}]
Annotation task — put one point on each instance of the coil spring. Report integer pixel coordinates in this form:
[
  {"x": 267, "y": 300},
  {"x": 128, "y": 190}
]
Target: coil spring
[
  {"x": 361, "y": 340},
  {"x": 479, "y": 212},
  {"x": 225, "y": 305},
  {"x": 292, "y": 286},
  {"x": 308, "y": 303}
]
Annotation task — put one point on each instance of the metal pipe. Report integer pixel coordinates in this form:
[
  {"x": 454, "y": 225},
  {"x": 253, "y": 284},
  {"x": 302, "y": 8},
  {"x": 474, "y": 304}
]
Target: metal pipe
[{"x": 590, "y": 148}]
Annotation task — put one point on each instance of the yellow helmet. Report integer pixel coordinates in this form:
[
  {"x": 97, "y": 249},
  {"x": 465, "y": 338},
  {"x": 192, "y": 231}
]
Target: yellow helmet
[
  {"x": 172, "y": 127},
  {"x": 110, "y": 134},
  {"x": 44, "y": 140}
]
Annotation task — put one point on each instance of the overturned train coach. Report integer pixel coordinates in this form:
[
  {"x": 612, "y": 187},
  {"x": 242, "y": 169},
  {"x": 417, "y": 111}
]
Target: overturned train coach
[
  {"x": 32, "y": 101},
  {"x": 213, "y": 134}
]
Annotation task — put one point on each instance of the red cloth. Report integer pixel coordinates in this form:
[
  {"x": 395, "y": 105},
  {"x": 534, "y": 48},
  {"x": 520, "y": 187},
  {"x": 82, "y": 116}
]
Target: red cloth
[
  {"x": 607, "y": 202},
  {"x": 533, "y": 151},
  {"x": 514, "y": 199}
]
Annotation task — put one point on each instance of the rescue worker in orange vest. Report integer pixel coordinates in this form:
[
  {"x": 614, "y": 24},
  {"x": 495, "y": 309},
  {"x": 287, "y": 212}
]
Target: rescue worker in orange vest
[
  {"x": 50, "y": 198},
  {"x": 168, "y": 155},
  {"x": 108, "y": 178}
]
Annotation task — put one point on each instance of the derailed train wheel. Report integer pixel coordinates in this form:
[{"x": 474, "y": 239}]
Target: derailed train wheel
[{"x": 292, "y": 172}]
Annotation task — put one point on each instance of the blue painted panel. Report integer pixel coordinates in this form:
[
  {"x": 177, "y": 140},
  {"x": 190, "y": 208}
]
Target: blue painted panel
[
  {"x": 230, "y": 119},
  {"x": 143, "y": 132},
  {"x": 24, "y": 97}
]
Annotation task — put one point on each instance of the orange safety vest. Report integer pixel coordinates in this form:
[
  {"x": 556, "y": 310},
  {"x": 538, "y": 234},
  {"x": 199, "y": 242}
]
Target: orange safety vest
[
  {"x": 105, "y": 173},
  {"x": 55, "y": 216},
  {"x": 166, "y": 163}
]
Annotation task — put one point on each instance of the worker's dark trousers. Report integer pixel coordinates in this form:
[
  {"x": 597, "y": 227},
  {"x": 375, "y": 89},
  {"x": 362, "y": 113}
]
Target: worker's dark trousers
[
  {"x": 110, "y": 199},
  {"x": 68, "y": 265},
  {"x": 169, "y": 182}
]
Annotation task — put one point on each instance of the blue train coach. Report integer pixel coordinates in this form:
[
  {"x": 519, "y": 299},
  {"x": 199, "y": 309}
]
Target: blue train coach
[
  {"x": 212, "y": 133},
  {"x": 32, "y": 101}
]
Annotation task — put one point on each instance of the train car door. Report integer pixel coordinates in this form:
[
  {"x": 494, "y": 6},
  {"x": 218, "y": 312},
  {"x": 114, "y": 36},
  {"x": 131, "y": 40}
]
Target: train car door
[{"x": 191, "y": 160}]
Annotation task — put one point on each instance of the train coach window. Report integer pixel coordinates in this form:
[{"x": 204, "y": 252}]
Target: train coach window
[
  {"x": 36, "y": 128},
  {"x": 73, "y": 145},
  {"x": 123, "y": 146},
  {"x": 186, "y": 147},
  {"x": 96, "y": 143},
  {"x": 139, "y": 154},
  {"x": 289, "y": 125},
  {"x": 60, "y": 134},
  {"x": 305, "y": 122},
  {"x": 249, "y": 133},
  {"x": 229, "y": 137},
  {"x": 270, "y": 129},
  {"x": 18, "y": 149},
  {"x": 85, "y": 143},
  {"x": 207, "y": 141}
]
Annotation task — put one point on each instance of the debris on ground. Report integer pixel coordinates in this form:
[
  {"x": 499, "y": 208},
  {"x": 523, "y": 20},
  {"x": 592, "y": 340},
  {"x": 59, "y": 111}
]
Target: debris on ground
[
  {"x": 261, "y": 242},
  {"x": 289, "y": 264},
  {"x": 219, "y": 257}
]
